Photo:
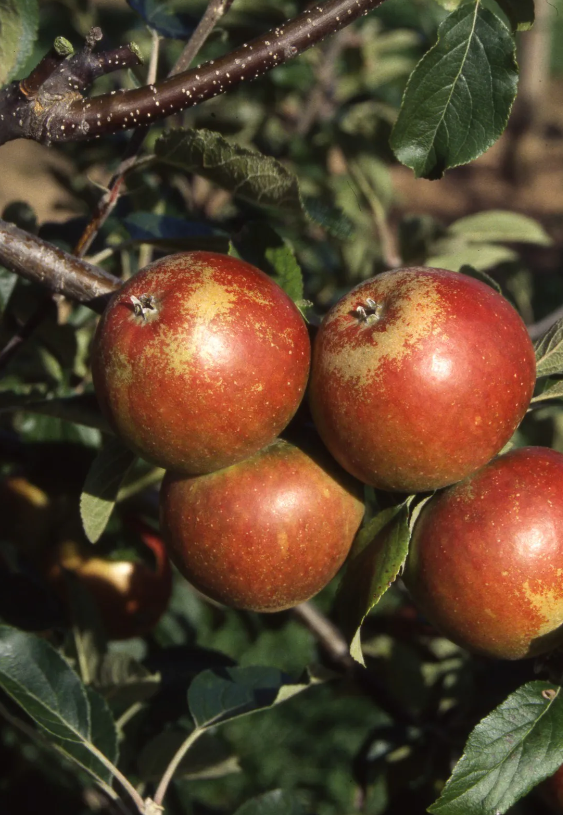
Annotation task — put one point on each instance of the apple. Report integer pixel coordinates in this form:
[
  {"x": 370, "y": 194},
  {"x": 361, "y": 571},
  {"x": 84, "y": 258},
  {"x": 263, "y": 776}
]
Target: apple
[
  {"x": 419, "y": 377},
  {"x": 199, "y": 361},
  {"x": 485, "y": 563},
  {"x": 131, "y": 596},
  {"x": 551, "y": 791},
  {"x": 264, "y": 534}
]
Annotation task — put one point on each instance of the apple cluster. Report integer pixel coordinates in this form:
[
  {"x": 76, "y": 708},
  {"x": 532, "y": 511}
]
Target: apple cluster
[{"x": 417, "y": 380}]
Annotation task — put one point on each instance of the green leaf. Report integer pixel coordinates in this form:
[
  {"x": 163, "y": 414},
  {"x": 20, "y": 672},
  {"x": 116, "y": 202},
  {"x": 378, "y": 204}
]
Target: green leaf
[
  {"x": 549, "y": 351},
  {"x": 497, "y": 225},
  {"x": 510, "y": 751},
  {"x": 44, "y": 685},
  {"x": 478, "y": 274},
  {"x": 103, "y": 481},
  {"x": 276, "y": 802},
  {"x": 260, "y": 245},
  {"x": 552, "y": 391},
  {"x": 211, "y": 759},
  {"x": 378, "y": 554},
  {"x": 223, "y": 694},
  {"x": 458, "y": 98},
  {"x": 521, "y": 13},
  {"x": 159, "y": 16},
  {"x": 453, "y": 253},
  {"x": 243, "y": 171},
  {"x": 19, "y": 21},
  {"x": 121, "y": 678},
  {"x": 8, "y": 282}
]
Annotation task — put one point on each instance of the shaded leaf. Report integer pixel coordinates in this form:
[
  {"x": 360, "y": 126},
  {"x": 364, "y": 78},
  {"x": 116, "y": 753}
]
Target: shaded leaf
[
  {"x": 276, "y": 802},
  {"x": 122, "y": 678},
  {"x": 500, "y": 225},
  {"x": 211, "y": 759},
  {"x": 260, "y": 245},
  {"x": 478, "y": 274},
  {"x": 243, "y": 171},
  {"x": 177, "y": 234},
  {"x": 549, "y": 351},
  {"x": 223, "y": 694},
  {"x": 44, "y": 685},
  {"x": 458, "y": 98},
  {"x": 102, "y": 486},
  {"x": 377, "y": 556},
  {"x": 8, "y": 282},
  {"x": 554, "y": 390},
  {"x": 521, "y": 13},
  {"x": 453, "y": 253},
  {"x": 19, "y": 21},
  {"x": 159, "y": 16},
  {"x": 510, "y": 751}
]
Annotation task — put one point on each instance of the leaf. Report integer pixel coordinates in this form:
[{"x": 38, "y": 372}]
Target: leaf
[
  {"x": 102, "y": 486},
  {"x": 453, "y": 253},
  {"x": 500, "y": 225},
  {"x": 549, "y": 351},
  {"x": 521, "y": 13},
  {"x": 223, "y": 694},
  {"x": 158, "y": 16},
  {"x": 178, "y": 234},
  {"x": 552, "y": 391},
  {"x": 260, "y": 245},
  {"x": 458, "y": 98},
  {"x": 8, "y": 282},
  {"x": 211, "y": 759},
  {"x": 478, "y": 274},
  {"x": 123, "y": 679},
  {"x": 246, "y": 173},
  {"x": 378, "y": 553},
  {"x": 276, "y": 802},
  {"x": 49, "y": 691},
  {"x": 510, "y": 751},
  {"x": 19, "y": 22}
]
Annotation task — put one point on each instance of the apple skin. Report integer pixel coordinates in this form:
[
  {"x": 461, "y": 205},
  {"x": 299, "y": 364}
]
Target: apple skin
[
  {"x": 209, "y": 375},
  {"x": 485, "y": 563},
  {"x": 130, "y": 596},
  {"x": 427, "y": 389},
  {"x": 265, "y": 534}
]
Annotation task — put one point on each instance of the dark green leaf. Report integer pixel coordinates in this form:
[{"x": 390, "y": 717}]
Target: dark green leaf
[
  {"x": 49, "y": 691},
  {"x": 276, "y": 802},
  {"x": 102, "y": 486},
  {"x": 8, "y": 281},
  {"x": 121, "y": 678},
  {"x": 159, "y": 16},
  {"x": 223, "y": 694},
  {"x": 19, "y": 20},
  {"x": 500, "y": 225},
  {"x": 260, "y": 245},
  {"x": 521, "y": 13},
  {"x": 88, "y": 639},
  {"x": 549, "y": 351},
  {"x": 210, "y": 759},
  {"x": 82, "y": 409},
  {"x": 376, "y": 558},
  {"x": 458, "y": 98},
  {"x": 510, "y": 751},
  {"x": 478, "y": 274},
  {"x": 246, "y": 173},
  {"x": 554, "y": 390},
  {"x": 176, "y": 234}
]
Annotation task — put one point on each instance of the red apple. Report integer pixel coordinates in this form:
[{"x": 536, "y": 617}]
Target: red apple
[
  {"x": 485, "y": 564},
  {"x": 131, "y": 596},
  {"x": 264, "y": 534},
  {"x": 199, "y": 361},
  {"x": 419, "y": 377}
]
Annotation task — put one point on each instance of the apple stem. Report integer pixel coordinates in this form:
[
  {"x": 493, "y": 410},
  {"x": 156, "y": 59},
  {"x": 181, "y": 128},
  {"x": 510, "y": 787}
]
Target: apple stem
[
  {"x": 143, "y": 304},
  {"x": 370, "y": 312}
]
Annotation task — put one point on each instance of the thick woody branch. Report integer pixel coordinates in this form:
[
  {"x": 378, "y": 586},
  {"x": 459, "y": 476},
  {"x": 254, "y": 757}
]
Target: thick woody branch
[
  {"x": 56, "y": 270},
  {"x": 74, "y": 118}
]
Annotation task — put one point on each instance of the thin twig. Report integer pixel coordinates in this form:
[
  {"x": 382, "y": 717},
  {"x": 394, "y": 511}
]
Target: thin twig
[
  {"x": 107, "y": 203},
  {"x": 328, "y": 635},
  {"x": 173, "y": 766}
]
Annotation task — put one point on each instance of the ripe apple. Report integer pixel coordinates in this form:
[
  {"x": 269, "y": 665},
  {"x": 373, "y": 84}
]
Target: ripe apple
[
  {"x": 131, "y": 596},
  {"x": 266, "y": 533},
  {"x": 199, "y": 361},
  {"x": 419, "y": 377},
  {"x": 485, "y": 563}
]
